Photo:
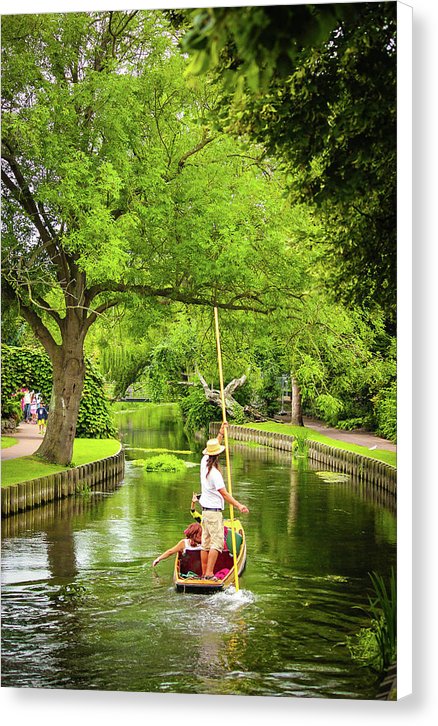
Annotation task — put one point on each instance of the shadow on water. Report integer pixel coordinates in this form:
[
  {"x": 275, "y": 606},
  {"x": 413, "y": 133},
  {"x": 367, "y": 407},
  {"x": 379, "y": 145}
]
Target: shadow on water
[{"x": 84, "y": 609}]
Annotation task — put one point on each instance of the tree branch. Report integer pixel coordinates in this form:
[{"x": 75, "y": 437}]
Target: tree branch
[
  {"x": 34, "y": 320},
  {"x": 171, "y": 293},
  {"x": 198, "y": 147},
  {"x": 23, "y": 196},
  {"x": 98, "y": 311}
]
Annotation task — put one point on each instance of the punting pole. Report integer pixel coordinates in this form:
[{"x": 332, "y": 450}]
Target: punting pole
[{"x": 227, "y": 453}]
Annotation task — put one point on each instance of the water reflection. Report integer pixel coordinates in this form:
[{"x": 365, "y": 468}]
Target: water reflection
[{"x": 121, "y": 625}]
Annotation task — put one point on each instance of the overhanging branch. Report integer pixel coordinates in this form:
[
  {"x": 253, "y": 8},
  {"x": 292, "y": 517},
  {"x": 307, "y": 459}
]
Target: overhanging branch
[{"x": 176, "y": 295}]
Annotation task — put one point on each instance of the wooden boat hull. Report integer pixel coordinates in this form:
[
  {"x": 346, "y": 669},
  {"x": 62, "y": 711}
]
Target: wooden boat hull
[{"x": 191, "y": 561}]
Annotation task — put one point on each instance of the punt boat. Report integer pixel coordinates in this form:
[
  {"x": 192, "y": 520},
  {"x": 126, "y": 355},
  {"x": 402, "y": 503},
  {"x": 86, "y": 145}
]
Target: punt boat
[{"x": 187, "y": 572}]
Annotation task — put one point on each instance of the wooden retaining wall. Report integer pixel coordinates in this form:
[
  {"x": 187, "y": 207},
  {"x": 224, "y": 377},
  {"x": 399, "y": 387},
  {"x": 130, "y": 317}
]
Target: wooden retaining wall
[
  {"x": 26, "y": 495},
  {"x": 362, "y": 468}
]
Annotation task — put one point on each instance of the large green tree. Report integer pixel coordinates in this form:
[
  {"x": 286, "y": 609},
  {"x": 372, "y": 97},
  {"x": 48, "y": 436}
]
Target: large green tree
[
  {"x": 114, "y": 185},
  {"x": 316, "y": 84}
]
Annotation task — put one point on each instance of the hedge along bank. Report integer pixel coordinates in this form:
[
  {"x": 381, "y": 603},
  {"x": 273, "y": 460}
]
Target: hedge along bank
[{"x": 33, "y": 368}]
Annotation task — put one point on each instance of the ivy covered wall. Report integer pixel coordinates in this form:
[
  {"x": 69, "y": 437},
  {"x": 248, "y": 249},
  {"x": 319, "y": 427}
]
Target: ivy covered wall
[{"x": 32, "y": 368}]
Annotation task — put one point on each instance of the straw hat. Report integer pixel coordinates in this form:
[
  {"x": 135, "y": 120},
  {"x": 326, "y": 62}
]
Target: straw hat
[{"x": 213, "y": 448}]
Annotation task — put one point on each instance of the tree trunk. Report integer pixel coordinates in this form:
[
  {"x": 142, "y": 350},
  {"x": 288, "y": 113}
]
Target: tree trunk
[
  {"x": 68, "y": 382},
  {"x": 214, "y": 396},
  {"x": 297, "y": 411}
]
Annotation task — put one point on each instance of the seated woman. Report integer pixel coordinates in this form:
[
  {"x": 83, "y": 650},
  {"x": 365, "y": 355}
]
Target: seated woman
[{"x": 192, "y": 541}]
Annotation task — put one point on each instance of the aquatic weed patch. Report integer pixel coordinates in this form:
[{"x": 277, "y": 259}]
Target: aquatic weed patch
[
  {"x": 333, "y": 477},
  {"x": 158, "y": 451},
  {"x": 162, "y": 462},
  {"x": 71, "y": 594}
]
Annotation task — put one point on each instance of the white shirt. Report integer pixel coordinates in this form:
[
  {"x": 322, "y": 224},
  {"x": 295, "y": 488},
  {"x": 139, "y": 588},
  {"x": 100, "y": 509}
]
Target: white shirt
[
  {"x": 210, "y": 497},
  {"x": 188, "y": 546}
]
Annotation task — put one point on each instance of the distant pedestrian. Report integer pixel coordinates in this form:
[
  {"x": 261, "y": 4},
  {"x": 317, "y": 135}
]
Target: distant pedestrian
[
  {"x": 27, "y": 398},
  {"x": 33, "y": 408},
  {"x": 42, "y": 415}
]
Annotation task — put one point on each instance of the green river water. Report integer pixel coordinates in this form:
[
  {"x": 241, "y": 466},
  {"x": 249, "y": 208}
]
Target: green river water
[{"x": 82, "y": 607}]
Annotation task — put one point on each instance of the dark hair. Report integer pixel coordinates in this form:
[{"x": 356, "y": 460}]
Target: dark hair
[
  {"x": 194, "y": 533},
  {"x": 211, "y": 462}
]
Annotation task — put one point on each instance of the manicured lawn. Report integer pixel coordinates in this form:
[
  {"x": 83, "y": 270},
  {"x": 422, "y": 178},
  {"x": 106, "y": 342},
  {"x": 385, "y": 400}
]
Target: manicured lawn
[
  {"x": 30, "y": 467},
  {"x": 8, "y": 441},
  {"x": 389, "y": 457}
]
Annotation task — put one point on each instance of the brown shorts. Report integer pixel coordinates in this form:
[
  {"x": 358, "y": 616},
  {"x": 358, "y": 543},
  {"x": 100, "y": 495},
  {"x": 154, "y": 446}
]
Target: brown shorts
[{"x": 212, "y": 531}]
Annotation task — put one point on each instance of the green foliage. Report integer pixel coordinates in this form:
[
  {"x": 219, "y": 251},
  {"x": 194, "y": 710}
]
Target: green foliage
[
  {"x": 197, "y": 411},
  {"x": 330, "y": 68},
  {"x": 161, "y": 462},
  {"x": 300, "y": 444},
  {"x": 21, "y": 367},
  {"x": 121, "y": 363},
  {"x": 269, "y": 393},
  {"x": 350, "y": 423},
  {"x": 385, "y": 403},
  {"x": 32, "y": 368},
  {"x": 239, "y": 416},
  {"x": 95, "y": 420},
  {"x": 11, "y": 408},
  {"x": 364, "y": 646},
  {"x": 260, "y": 42},
  {"x": 328, "y": 407},
  {"x": 118, "y": 191},
  {"x": 162, "y": 210},
  {"x": 376, "y": 646},
  {"x": 383, "y": 606}
]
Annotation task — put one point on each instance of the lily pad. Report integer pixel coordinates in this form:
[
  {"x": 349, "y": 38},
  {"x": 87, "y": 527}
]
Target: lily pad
[{"x": 332, "y": 477}]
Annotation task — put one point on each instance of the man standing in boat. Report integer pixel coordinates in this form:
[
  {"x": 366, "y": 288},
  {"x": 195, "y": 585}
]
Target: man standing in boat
[{"x": 212, "y": 502}]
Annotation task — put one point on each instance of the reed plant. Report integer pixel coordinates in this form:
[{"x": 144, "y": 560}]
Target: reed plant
[
  {"x": 300, "y": 445},
  {"x": 383, "y": 607},
  {"x": 376, "y": 646}
]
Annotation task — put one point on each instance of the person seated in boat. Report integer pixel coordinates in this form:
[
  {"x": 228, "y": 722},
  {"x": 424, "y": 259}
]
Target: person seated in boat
[
  {"x": 192, "y": 541},
  {"x": 212, "y": 500}
]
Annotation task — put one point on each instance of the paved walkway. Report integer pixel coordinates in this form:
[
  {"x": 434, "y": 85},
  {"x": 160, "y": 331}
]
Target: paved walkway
[
  {"x": 29, "y": 439},
  {"x": 357, "y": 436}
]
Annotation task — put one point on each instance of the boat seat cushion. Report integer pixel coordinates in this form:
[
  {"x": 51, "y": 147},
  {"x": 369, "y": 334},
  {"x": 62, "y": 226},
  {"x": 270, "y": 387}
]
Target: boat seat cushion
[{"x": 229, "y": 541}]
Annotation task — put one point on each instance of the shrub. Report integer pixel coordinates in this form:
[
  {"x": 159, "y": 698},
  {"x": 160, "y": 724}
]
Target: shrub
[
  {"x": 11, "y": 408},
  {"x": 328, "y": 407},
  {"x": 94, "y": 418},
  {"x": 269, "y": 393},
  {"x": 349, "y": 424},
  {"x": 385, "y": 406},
  {"x": 197, "y": 411}
]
